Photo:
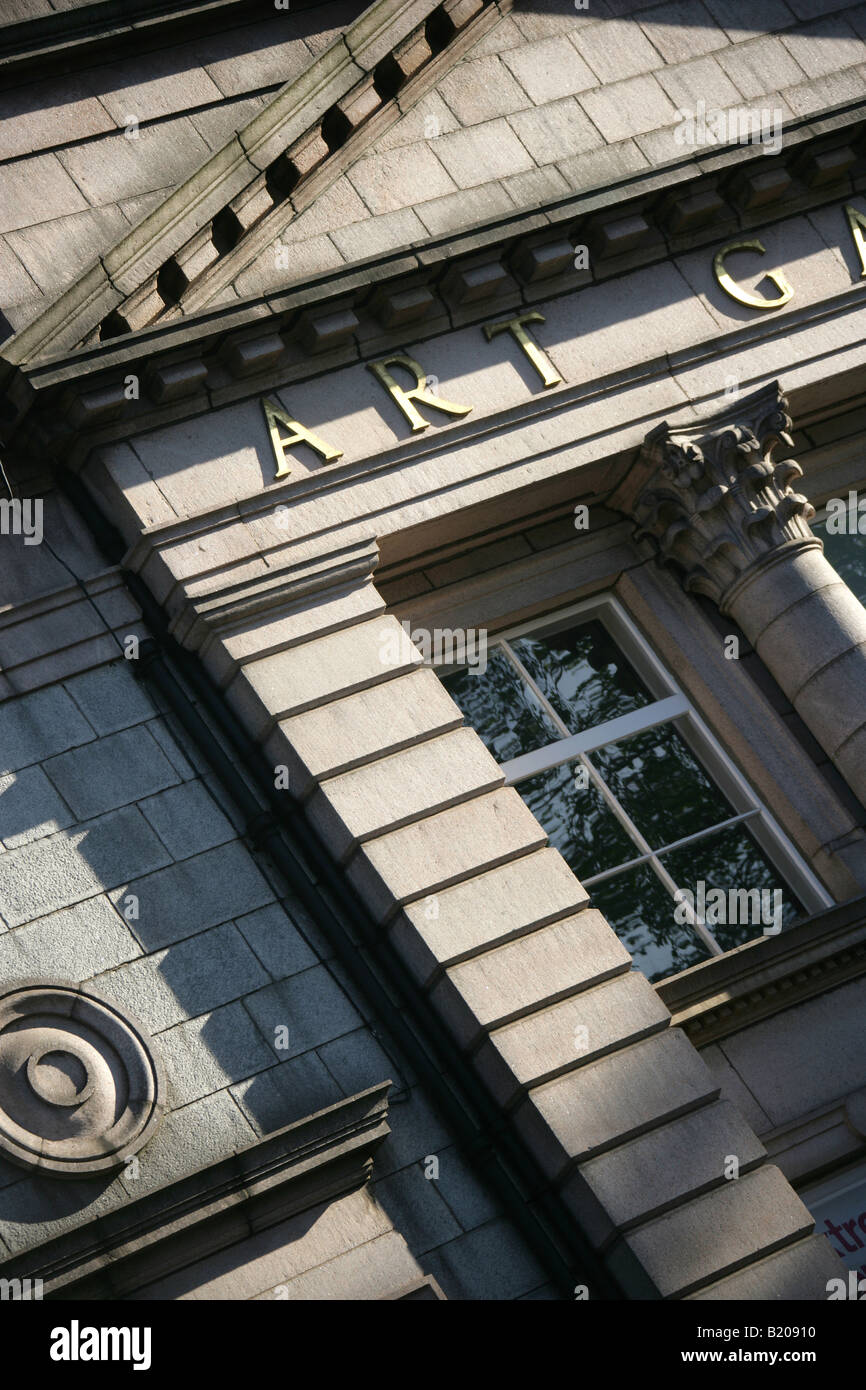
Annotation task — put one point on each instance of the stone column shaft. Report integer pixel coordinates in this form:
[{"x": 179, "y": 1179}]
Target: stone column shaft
[{"x": 814, "y": 643}]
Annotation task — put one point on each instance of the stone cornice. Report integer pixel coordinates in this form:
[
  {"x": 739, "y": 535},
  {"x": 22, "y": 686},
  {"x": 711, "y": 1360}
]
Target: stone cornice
[
  {"x": 207, "y": 229},
  {"x": 287, "y": 582},
  {"x": 592, "y": 481},
  {"x": 759, "y": 979},
  {"x": 395, "y": 72},
  {"x": 110, "y": 29},
  {"x": 314, "y": 1160},
  {"x": 230, "y": 353}
]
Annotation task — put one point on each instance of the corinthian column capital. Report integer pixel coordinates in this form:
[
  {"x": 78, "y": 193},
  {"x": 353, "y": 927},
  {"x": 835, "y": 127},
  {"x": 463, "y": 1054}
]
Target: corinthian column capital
[{"x": 713, "y": 498}]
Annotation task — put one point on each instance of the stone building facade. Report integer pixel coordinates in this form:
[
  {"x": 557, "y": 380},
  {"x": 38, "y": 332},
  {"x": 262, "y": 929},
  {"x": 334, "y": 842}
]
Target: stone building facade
[{"x": 432, "y": 713}]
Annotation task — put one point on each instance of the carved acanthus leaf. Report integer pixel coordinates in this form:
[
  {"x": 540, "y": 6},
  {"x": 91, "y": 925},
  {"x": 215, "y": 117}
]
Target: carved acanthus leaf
[{"x": 715, "y": 501}]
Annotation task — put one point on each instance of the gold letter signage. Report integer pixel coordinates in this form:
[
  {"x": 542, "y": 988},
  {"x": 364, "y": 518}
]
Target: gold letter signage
[
  {"x": 540, "y": 361},
  {"x": 409, "y": 398},
  {"x": 730, "y": 286},
  {"x": 857, "y": 223},
  {"x": 298, "y": 435},
  {"x": 419, "y": 392}
]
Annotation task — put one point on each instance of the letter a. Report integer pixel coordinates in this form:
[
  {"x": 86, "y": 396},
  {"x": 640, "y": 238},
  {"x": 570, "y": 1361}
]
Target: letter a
[
  {"x": 837, "y": 517},
  {"x": 274, "y": 416},
  {"x": 59, "y": 1344}
]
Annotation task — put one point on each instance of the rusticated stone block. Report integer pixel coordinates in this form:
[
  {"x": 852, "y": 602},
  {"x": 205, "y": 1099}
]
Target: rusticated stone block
[
  {"x": 401, "y": 788},
  {"x": 799, "y": 1273},
  {"x": 569, "y": 1034},
  {"x": 748, "y": 1217},
  {"x": 492, "y": 907},
  {"x": 321, "y": 670},
  {"x": 424, "y": 858},
  {"x": 667, "y": 1166},
  {"x": 352, "y": 731},
  {"x": 541, "y": 967},
  {"x": 614, "y": 1099}
]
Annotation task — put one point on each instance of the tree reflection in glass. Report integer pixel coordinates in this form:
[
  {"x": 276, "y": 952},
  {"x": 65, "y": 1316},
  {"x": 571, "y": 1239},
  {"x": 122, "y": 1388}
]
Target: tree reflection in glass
[
  {"x": 501, "y": 708},
  {"x": 641, "y": 911},
  {"x": 661, "y": 785},
  {"x": 728, "y": 860},
  {"x": 647, "y": 791},
  {"x": 583, "y": 674},
  {"x": 577, "y": 820}
]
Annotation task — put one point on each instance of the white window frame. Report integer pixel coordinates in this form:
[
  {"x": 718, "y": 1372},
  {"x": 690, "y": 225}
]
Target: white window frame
[{"x": 670, "y": 706}]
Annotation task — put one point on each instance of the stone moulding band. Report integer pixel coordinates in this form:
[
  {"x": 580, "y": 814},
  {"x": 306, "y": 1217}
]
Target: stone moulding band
[
  {"x": 254, "y": 178},
  {"x": 316, "y": 1159}
]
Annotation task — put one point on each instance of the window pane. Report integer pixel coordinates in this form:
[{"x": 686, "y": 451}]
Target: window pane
[
  {"x": 501, "y": 708},
  {"x": 583, "y": 674},
  {"x": 578, "y": 822},
  {"x": 641, "y": 911},
  {"x": 731, "y": 861},
  {"x": 661, "y": 785},
  {"x": 847, "y": 554}
]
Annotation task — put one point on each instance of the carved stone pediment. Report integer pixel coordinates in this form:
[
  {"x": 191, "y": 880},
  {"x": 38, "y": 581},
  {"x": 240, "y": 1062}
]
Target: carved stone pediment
[{"x": 714, "y": 500}]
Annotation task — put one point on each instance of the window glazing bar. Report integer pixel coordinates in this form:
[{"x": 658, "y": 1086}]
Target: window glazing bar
[
  {"x": 682, "y": 707},
  {"x": 613, "y": 731},
  {"x": 710, "y": 830},
  {"x": 536, "y": 690},
  {"x": 674, "y": 844}
]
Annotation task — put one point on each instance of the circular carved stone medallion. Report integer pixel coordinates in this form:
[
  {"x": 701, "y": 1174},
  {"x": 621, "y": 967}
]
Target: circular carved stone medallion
[{"x": 80, "y": 1087}]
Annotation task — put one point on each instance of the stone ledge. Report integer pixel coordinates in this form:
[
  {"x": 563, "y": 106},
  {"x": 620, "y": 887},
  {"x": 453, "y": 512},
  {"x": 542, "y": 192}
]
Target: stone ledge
[
  {"x": 111, "y": 29},
  {"x": 750, "y": 1218},
  {"x": 660, "y": 1171},
  {"x": 313, "y": 1160},
  {"x": 787, "y": 1276},
  {"x": 496, "y": 906},
  {"x": 641, "y": 1087}
]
